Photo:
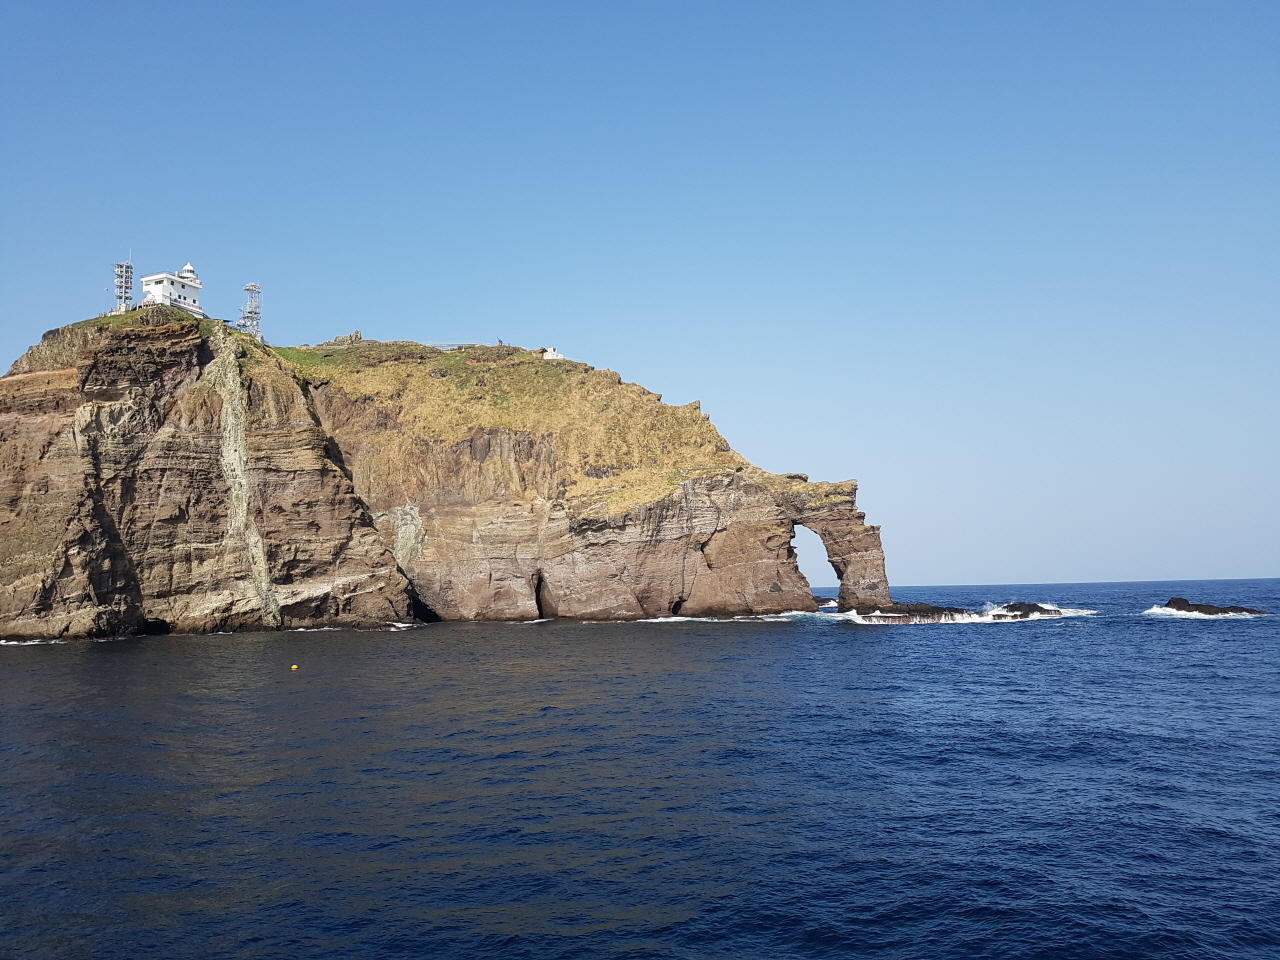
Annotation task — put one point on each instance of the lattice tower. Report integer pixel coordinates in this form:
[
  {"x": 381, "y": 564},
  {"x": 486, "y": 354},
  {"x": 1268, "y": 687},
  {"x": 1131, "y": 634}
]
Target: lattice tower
[
  {"x": 124, "y": 286},
  {"x": 251, "y": 312}
]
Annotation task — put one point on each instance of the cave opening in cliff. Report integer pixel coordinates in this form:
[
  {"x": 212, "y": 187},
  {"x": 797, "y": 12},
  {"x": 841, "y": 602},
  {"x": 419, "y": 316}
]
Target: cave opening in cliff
[
  {"x": 811, "y": 556},
  {"x": 539, "y": 595},
  {"x": 421, "y": 611}
]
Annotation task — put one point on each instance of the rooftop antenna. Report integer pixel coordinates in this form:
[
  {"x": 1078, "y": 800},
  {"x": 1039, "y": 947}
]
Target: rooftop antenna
[
  {"x": 124, "y": 285},
  {"x": 251, "y": 312}
]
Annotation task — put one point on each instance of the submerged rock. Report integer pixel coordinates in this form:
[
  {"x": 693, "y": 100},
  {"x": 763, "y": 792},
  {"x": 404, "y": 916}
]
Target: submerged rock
[
  {"x": 907, "y": 613},
  {"x": 928, "y": 613},
  {"x": 163, "y": 474},
  {"x": 1023, "y": 611},
  {"x": 1185, "y": 606}
]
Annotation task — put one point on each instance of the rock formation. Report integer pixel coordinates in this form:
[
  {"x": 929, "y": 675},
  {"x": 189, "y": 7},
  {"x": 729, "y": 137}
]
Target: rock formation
[
  {"x": 1182, "y": 605},
  {"x": 1024, "y": 611},
  {"x": 159, "y": 473}
]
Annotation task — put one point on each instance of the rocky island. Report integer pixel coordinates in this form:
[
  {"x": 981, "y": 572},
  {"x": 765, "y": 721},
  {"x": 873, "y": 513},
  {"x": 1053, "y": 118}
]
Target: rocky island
[{"x": 163, "y": 473}]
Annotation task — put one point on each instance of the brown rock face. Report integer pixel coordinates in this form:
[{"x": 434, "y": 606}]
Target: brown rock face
[
  {"x": 159, "y": 480},
  {"x": 480, "y": 528},
  {"x": 157, "y": 475}
]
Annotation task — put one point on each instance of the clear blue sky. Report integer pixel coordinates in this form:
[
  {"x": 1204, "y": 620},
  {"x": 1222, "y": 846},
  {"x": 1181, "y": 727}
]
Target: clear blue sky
[{"x": 1011, "y": 265}]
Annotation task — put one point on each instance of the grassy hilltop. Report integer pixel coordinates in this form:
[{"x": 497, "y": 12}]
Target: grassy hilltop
[{"x": 612, "y": 439}]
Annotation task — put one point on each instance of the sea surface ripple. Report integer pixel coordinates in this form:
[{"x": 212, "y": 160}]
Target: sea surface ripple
[{"x": 1091, "y": 786}]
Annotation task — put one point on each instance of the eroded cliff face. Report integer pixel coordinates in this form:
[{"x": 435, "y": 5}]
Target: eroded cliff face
[
  {"x": 161, "y": 475},
  {"x": 512, "y": 488},
  {"x": 154, "y": 478}
]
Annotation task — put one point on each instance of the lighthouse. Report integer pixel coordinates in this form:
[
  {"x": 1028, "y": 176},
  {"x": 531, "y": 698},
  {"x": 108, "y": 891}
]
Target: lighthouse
[{"x": 180, "y": 289}]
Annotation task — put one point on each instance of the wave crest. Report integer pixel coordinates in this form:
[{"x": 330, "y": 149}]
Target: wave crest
[{"x": 1162, "y": 611}]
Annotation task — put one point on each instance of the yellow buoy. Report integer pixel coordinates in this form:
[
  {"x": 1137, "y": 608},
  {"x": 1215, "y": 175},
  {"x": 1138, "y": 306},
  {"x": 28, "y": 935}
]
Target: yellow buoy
[{"x": 294, "y": 667}]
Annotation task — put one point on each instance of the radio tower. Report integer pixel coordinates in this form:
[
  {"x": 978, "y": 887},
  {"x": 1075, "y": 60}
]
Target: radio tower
[
  {"x": 124, "y": 286},
  {"x": 251, "y": 312}
]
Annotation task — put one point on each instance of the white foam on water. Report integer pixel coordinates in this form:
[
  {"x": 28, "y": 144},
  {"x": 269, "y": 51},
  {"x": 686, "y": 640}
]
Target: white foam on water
[
  {"x": 986, "y": 615},
  {"x": 677, "y": 620},
  {"x": 1159, "y": 611},
  {"x": 990, "y": 609},
  {"x": 791, "y": 615},
  {"x": 39, "y": 640},
  {"x": 991, "y": 613}
]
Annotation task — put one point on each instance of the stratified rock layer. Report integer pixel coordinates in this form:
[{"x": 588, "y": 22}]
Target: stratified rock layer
[
  {"x": 157, "y": 474},
  {"x": 156, "y": 479}
]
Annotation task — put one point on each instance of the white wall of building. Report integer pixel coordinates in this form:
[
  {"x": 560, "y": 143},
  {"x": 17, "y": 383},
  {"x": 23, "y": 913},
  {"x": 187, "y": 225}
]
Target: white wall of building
[{"x": 179, "y": 289}]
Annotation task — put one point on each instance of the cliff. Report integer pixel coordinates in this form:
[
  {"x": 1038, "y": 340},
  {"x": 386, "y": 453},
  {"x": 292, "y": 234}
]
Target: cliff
[{"x": 159, "y": 473}]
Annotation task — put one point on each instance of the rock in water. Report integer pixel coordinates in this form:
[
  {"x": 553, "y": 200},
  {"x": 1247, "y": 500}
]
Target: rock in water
[
  {"x": 162, "y": 474},
  {"x": 1185, "y": 606},
  {"x": 910, "y": 613},
  {"x": 1024, "y": 611}
]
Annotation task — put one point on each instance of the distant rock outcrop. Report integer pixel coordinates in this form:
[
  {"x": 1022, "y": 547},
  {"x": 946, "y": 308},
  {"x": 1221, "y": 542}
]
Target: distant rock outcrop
[
  {"x": 1186, "y": 606},
  {"x": 910, "y": 613},
  {"x": 1024, "y": 611},
  {"x": 159, "y": 473}
]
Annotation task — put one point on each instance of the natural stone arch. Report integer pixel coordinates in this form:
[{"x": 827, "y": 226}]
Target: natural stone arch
[{"x": 856, "y": 555}]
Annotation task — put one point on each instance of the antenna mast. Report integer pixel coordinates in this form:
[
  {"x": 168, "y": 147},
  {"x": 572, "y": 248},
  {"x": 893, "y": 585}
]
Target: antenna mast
[
  {"x": 251, "y": 312},
  {"x": 124, "y": 286}
]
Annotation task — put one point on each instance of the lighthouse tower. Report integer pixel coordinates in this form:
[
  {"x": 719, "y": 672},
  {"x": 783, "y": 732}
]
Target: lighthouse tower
[{"x": 181, "y": 290}]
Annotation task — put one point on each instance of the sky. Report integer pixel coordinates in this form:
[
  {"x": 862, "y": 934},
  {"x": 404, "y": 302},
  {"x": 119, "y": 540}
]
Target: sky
[{"x": 1013, "y": 266}]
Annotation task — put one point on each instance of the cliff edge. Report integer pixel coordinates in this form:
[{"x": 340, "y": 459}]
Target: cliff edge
[{"x": 163, "y": 474}]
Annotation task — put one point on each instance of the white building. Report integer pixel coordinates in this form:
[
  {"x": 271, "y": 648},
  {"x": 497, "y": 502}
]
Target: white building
[{"x": 181, "y": 290}]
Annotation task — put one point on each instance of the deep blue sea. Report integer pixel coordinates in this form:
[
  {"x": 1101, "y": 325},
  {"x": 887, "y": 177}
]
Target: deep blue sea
[{"x": 1096, "y": 786}]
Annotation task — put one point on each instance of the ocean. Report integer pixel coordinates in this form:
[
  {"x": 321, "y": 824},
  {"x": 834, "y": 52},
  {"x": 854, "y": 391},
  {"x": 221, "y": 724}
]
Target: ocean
[{"x": 1100, "y": 785}]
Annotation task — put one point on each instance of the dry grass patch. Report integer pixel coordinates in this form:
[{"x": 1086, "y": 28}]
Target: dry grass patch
[{"x": 616, "y": 442}]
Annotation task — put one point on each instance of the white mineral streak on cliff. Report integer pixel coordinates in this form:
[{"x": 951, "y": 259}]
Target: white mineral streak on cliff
[
  {"x": 407, "y": 532},
  {"x": 224, "y": 374}
]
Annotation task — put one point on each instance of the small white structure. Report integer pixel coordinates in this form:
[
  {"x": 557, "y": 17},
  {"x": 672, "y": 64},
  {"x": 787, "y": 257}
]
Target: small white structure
[
  {"x": 552, "y": 354},
  {"x": 181, "y": 290}
]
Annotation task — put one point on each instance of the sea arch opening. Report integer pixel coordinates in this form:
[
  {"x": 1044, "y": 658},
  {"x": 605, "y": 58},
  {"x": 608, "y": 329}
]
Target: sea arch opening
[{"x": 815, "y": 564}]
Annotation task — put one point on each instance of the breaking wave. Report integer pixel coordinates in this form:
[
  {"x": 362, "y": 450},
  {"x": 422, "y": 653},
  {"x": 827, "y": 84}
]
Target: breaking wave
[
  {"x": 1159, "y": 611},
  {"x": 990, "y": 613}
]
